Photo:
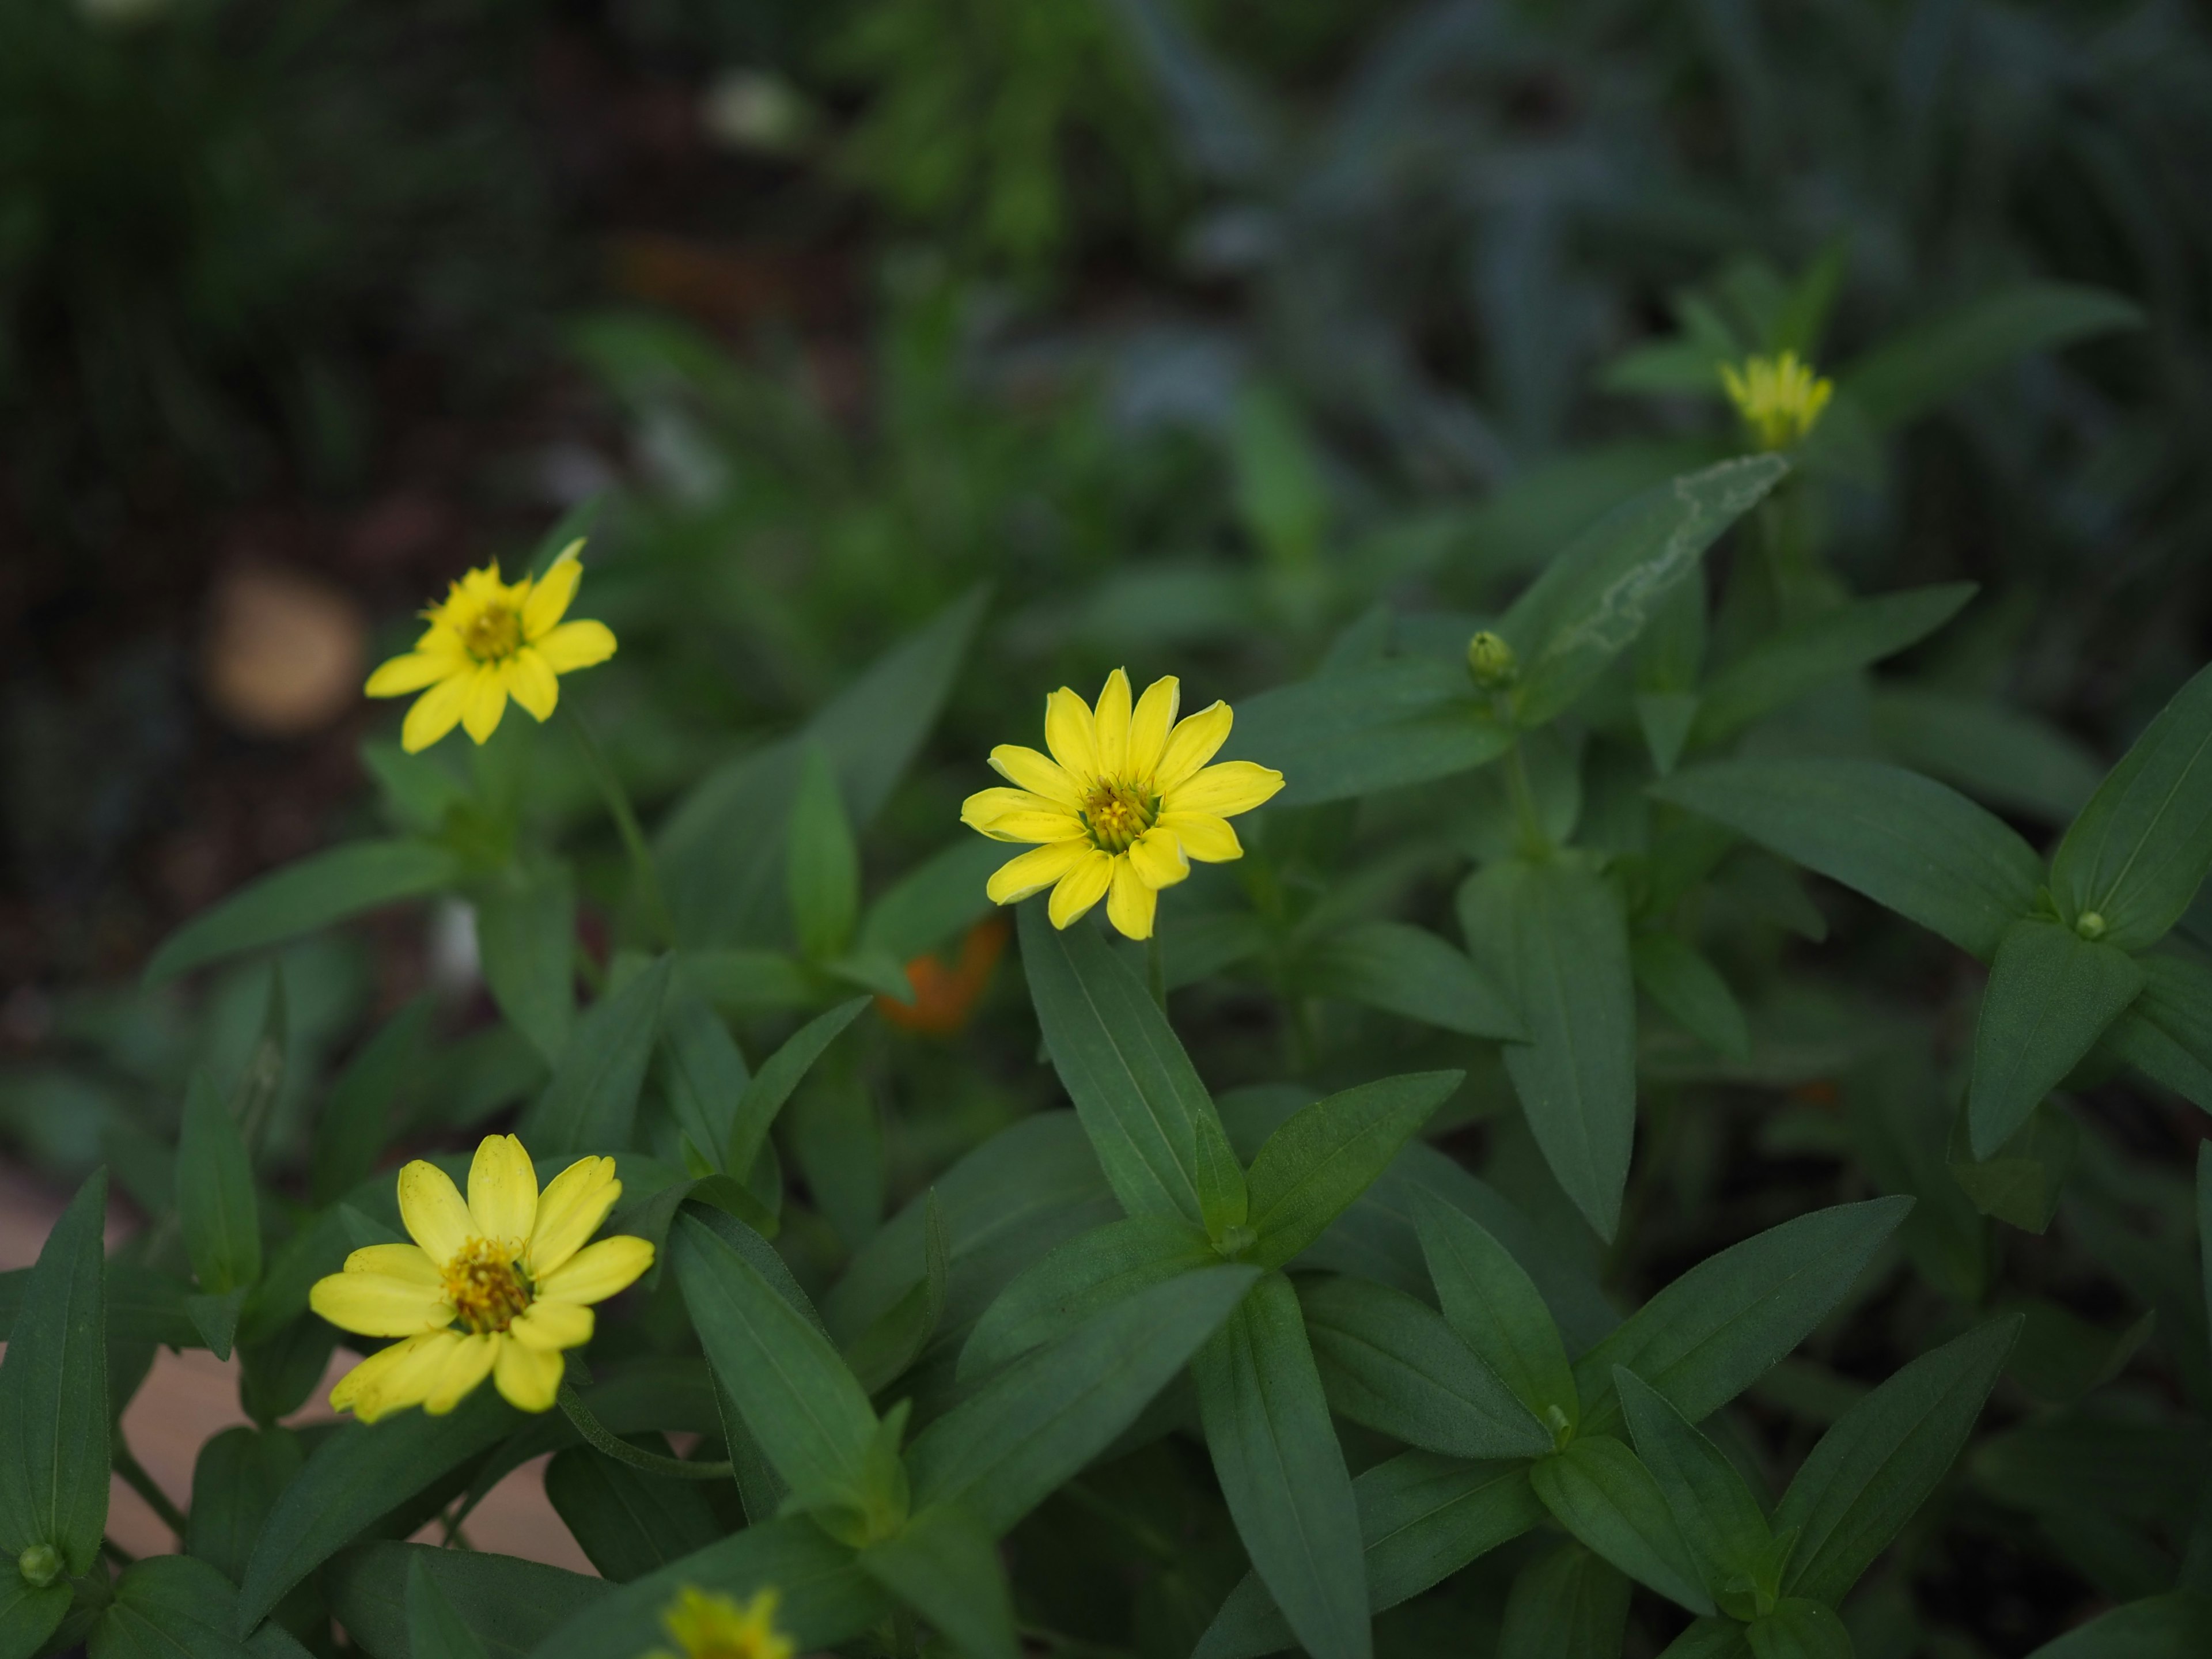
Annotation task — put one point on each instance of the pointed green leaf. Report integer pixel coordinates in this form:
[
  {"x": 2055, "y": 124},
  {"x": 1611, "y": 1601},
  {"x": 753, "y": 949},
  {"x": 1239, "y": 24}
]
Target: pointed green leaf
[
  {"x": 527, "y": 938},
  {"x": 882, "y": 1352},
  {"x": 434, "y": 1629},
  {"x": 1598, "y": 1490},
  {"x": 1720, "y": 1519},
  {"x": 2166, "y": 1033},
  {"x": 1568, "y": 1604},
  {"x": 236, "y": 1481},
  {"x": 2175, "y": 1625},
  {"x": 358, "y": 1113},
  {"x": 506, "y": 1605},
  {"x": 29, "y": 1614},
  {"x": 1555, "y": 935},
  {"x": 1676, "y": 976},
  {"x": 302, "y": 898},
  {"x": 1996, "y": 753},
  {"x": 933, "y": 903},
  {"x": 1489, "y": 1300},
  {"x": 591, "y": 1104},
  {"x": 628, "y": 1522},
  {"x": 170, "y": 1605},
  {"x": 215, "y": 1205},
  {"x": 54, "y": 1397},
  {"x": 1665, "y": 718},
  {"x": 1358, "y": 731},
  {"x": 1912, "y": 372},
  {"x": 946, "y": 1567},
  {"x": 1906, "y": 841},
  {"x": 1410, "y": 971},
  {"x": 1387, "y": 1361},
  {"x": 703, "y": 1074},
  {"x": 1328, "y": 1153},
  {"x": 1883, "y": 1459},
  {"x": 1799, "y": 1629},
  {"x": 1225, "y": 1199},
  {"x": 215, "y": 1319},
  {"x": 822, "y": 867},
  {"x": 780, "y": 1073},
  {"x": 1282, "y": 1471},
  {"x": 2050, "y": 995},
  {"x": 1075, "y": 1280},
  {"x": 1133, "y": 1086},
  {"x": 1720, "y": 1637},
  {"x": 2020, "y": 1182}
]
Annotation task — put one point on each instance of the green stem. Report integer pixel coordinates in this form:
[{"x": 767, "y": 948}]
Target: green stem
[
  {"x": 115, "y": 1552},
  {"x": 622, "y": 1452},
  {"x": 134, "y": 1477},
  {"x": 1535, "y": 843},
  {"x": 617, "y": 799}
]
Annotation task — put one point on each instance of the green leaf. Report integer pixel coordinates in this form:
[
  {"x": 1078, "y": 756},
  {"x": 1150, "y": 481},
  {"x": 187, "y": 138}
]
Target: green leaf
[
  {"x": 822, "y": 1595},
  {"x": 1133, "y": 1086},
  {"x": 1911, "y": 372},
  {"x": 1385, "y": 725},
  {"x": 1799, "y": 1629},
  {"x": 946, "y": 1567},
  {"x": 2205, "y": 1221},
  {"x": 799, "y": 1400},
  {"x": 1903, "y": 840},
  {"x": 166, "y": 1606},
  {"x": 1282, "y": 1471},
  {"x": 216, "y": 1318},
  {"x": 1710, "y": 1639},
  {"x": 2176, "y": 1625},
  {"x": 1494, "y": 1308},
  {"x": 53, "y": 1396},
  {"x": 935, "y": 901},
  {"x": 434, "y": 1629},
  {"x": 1555, "y": 935},
  {"x": 780, "y": 1073},
  {"x": 1720, "y": 1326},
  {"x": 1995, "y": 753},
  {"x": 1665, "y": 718},
  {"x": 527, "y": 939},
  {"x": 882, "y": 1352},
  {"x": 1806, "y": 655},
  {"x": 302, "y": 898},
  {"x": 215, "y": 1205},
  {"x": 508, "y": 1606},
  {"x": 360, "y": 1473},
  {"x": 2050, "y": 995},
  {"x": 1000, "y": 1453},
  {"x": 1328, "y": 1153},
  {"x": 1225, "y": 1197},
  {"x": 2020, "y": 1182},
  {"x": 1570, "y": 1604},
  {"x": 1595, "y": 598},
  {"x": 236, "y": 1481},
  {"x": 29, "y": 1614},
  {"x": 1598, "y": 1490},
  {"x": 357, "y": 1114},
  {"x": 734, "y": 978},
  {"x": 703, "y": 1075},
  {"x": 1387, "y": 1361},
  {"x": 1408, "y": 970},
  {"x": 1719, "y": 1517},
  {"x": 822, "y": 867},
  {"x": 2166, "y": 1033},
  {"x": 1421, "y": 1519},
  {"x": 2141, "y": 848},
  {"x": 1883, "y": 1459},
  {"x": 591, "y": 1104},
  {"x": 628, "y": 1522},
  {"x": 1075, "y": 1280},
  {"x": 1676, "y": 976}
]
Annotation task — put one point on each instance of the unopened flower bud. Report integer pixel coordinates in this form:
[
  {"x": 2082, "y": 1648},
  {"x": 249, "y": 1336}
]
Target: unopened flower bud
[
  {"x": 40, "y": 1564},
  {"x": 1491, "y": 661},
  {"x": 2090, "y": 924}
]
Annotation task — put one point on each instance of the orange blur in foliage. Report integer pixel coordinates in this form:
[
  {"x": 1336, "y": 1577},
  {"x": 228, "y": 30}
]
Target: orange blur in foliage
[{"x": 943, "y": 997}]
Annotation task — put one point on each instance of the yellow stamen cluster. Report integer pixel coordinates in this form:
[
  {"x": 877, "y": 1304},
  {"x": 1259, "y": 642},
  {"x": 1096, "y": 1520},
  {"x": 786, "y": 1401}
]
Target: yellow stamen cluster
[
  {"x": 1117, "y": 813},
  {"x": 484, "y": 1286},
  {"x": 1780, "y": 397},
  {"x": 704, "y": 1625}
]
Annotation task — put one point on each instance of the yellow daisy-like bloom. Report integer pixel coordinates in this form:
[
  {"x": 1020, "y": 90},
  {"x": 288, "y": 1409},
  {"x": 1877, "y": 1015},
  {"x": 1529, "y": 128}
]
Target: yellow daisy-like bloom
[
  {"x": 488, "y": 641},
  {"x": 704, "y": 1625},
  {"x": 496, "y": 1286},
  {"x": 1780, "y": 398},
  {"x": 1123, "y": 804}
]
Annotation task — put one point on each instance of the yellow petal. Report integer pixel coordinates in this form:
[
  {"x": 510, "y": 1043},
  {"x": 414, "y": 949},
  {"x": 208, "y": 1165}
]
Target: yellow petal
[
  {"x": 1191, "y": 744},
  {"x": 576, "y": 645},
  {"x": 1070, "y": 734},
  {"x": 569, "y": 1211},
  {"x": 1157, "y": 858},
  {"x": 431, "y": 1210},
  {"x": 485, "y": 704},
  {"x": 465, "y": 1366},
  {"x": 407, "y": 1261},
  {"x": 549, "y": 595},
  {"x": 1038, "y": 773},
  {"x": 1110, "y": 725},
  {"x": 397, "y": 1377},
  {"x": 550, "y": 1327},
  {"x": 377, "y": 1304},
  {"x": 435, "y": 712},
  {"x": 598, "y": 1271},
  {"x": 1034, "y": 872},
  {"x": 1225, "y": 790},
  {"x": 531, "y": 681},
  {"x": 1149, "y": 727},
  {"x": 1017, "y": 815},
  {"x": 528, "y": 1378},
  {"x": 1208, "y": 839},
  {"x": 502, "y": 1191},
  {"x": 1129, "y": 902},
  {"x": 1083, "y": 886},
  {"x": 411, "y": 672}
]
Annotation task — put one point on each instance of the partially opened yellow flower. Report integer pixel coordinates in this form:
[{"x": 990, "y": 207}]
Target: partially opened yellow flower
[
  {"x": 1780, "y": 398},
  {"x": 488, "y": 641},
  {"x": 496, "y": 1286},
  {"x": 704, "y": 1625},
  {"x": 1123, "y": 804}
]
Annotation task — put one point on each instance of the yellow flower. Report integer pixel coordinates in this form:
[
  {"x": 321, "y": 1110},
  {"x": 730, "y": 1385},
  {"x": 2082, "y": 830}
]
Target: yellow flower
[
  {"x": 1779, "y": 397},
  {"x": 495, "y": 1287},
  {"x": 488, "y": 641},
  {"x": 707, "y": 1626},
  {"x": 1123, "y": 805}
]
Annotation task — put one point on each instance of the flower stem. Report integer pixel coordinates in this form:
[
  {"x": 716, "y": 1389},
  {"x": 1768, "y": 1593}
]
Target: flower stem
[
  {"x": 134, "y": 1477},
  {"x": 617, "y": 799},
  {"x": 622, "y": 1452},
  {"x": 1535, "y": 843}
]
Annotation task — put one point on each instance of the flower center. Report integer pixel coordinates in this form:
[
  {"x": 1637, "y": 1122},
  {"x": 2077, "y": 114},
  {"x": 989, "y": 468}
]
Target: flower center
[
  {"x": 484, "y": 1286},
  {"x": 1117, "y": 813},
  {"x": 495, "y": 634}
]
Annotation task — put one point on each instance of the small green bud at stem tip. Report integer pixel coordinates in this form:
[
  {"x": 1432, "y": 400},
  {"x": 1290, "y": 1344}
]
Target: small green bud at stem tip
[
  {"x": 2091, "y": 925},
  {"x": 40, "y": 1564},
  {"x": 1491, "y": 661}
]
